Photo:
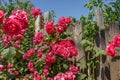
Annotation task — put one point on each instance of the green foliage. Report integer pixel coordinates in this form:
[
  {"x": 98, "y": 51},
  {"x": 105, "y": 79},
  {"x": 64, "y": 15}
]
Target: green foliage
[
  {"x": 90, "y": 31},
  {"x": 8, "y": 53}
]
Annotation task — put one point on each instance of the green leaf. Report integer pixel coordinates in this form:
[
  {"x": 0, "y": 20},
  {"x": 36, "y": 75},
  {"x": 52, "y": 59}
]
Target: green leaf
[
  {"x": 82, "y": 76},
  {"x": 65, "y": 66},
  {"x": 83, "y": 65},
  {"x": 8, "y": 53},
  {"x": 102, "y": 28}
]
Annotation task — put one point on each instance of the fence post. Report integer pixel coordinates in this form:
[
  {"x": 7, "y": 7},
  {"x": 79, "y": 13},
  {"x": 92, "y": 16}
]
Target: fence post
[
  {"x": 37, "y": 24},
  {"x": 77, "y": 38},
  {"x": 102, "y": 70}
]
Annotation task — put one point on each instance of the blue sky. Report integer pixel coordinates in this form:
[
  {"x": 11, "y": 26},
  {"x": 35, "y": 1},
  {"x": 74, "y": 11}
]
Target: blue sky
[{"x": 73, "y": 8}]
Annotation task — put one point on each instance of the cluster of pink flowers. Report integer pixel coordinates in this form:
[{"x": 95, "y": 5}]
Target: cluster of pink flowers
[
  {"x": 16, "y": 23},
  {"x": 110, "y": 49},
  {"x": 61, "y": 26},
  {"x": 38, "y": 38},
  {"x": 14, "y": 28},
  {"x": 32, "y": 69},
  {"x": 69, "y": 75},
  {"x": 10, "y": 69},
  {"x": 29, "y": 53},
  {"x": 66, "y": 49},
  {"x": 50, "y": 27},
  {"x": 63, "y": 22},
  {"x": 36, "y": 12}
]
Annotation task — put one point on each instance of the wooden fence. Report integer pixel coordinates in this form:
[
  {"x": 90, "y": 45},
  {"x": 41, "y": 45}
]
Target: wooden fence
[{"x": 108, "y": 68}]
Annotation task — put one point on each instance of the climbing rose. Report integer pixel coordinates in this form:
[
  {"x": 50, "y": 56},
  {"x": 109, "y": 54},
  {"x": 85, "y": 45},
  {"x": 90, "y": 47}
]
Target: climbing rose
[
  {"x": 1, "y": 67},
  {"x": 12, "y": 26},
  {"x": 110, "y": 49},
  {"x": 65, "y": 76},
  {"x": 49, "y": 78},
  {"x": 45, "y": 72},
  {"x": 31, "y": 67},
  {"x": 50, "y": 27},
  {"x": 73, "y": 69},
  {"x": 37, "y": 76},
  {"x": 6, "y": 40},
  {"x": 36, "y": 12},
  {"x": 38, "y": 37},
  {"x": 65, "y": 48},
  {"x": 39, "y": 54},
  {"x": 116, "y": 40},
  {"x": 29, "y": 54},
  {"x": 62, "y": 24},
  {"x": 2, "y": 14},
  {"x": 21, "y": 16}
]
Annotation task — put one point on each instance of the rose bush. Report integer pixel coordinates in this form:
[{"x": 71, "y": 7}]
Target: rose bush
[{"x": 47, "y": 59}]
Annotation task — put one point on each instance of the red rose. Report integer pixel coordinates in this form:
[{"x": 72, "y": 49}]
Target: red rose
[
  {"x": 1, "y": 67},
  {"x": 22, "y": 16},
  {"x": 50, "y": 29},
  {"x": 2, "y": 14},
  {"x": 110, "y": 49},
  {"x": 12, "y": 26},
  {"x": 45, "y": 72},
  {"x": 39, "y": 54},
  {"x": 38, "y": 37},
  {"x": 31, "y": 67},
  {"x": 73, "y": 69},
  {"x": 36, "y": 11},
  {"x": 116, "y": 40}
]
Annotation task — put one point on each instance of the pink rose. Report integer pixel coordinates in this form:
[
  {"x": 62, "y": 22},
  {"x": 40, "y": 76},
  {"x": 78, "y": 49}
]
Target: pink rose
[
  {"x": 39, "y": 54},
  {"x": 38, "y": 37},
  {"x": 36, "y": 11},
  {"x": 110, "y": 49},
  {"x": 45, "y": 72},
  {"x": 73, "y": 69},
  {"x": 116, "y": 40},
  {"x": 50, "y": 29},
  {"x": 1, "y": 67},
  {"x": 2, "y": 15},
  {"x": 12, "y": 26},
  {"x": 31, "y": 67},
  {"x": 22, "y": 16}
]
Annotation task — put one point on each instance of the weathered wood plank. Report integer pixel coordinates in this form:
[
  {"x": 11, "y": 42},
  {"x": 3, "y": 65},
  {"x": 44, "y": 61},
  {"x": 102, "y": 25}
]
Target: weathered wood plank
[
  {"x": 103, "y": 69},
  {"x": 114, "y": 63},
  {"x": 37, "y": 24}
]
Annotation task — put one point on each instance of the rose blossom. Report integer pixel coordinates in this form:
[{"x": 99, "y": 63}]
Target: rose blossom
[
  {"x": 73, "y": 69},
  {"x": 38, "y": 37},
  {"x": 1, "y": 67},
  {"x": 45, "y": 72},
  {"x": 6, "y": 40},
  {"x": 39, "y": 54},
  {"x": 2, "y": 15},
  {"x": 50, "y": 27},
  {"x": 22, "y": 16},
  {"x": 36, "y": 11},
  {"x": 12, "y": 26},
  {"x": 116, "y": 40},
  {"x": 110, "y": 49},
  {"x": 31, "y": 67},
  {"x": 65, "y": 48}
]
